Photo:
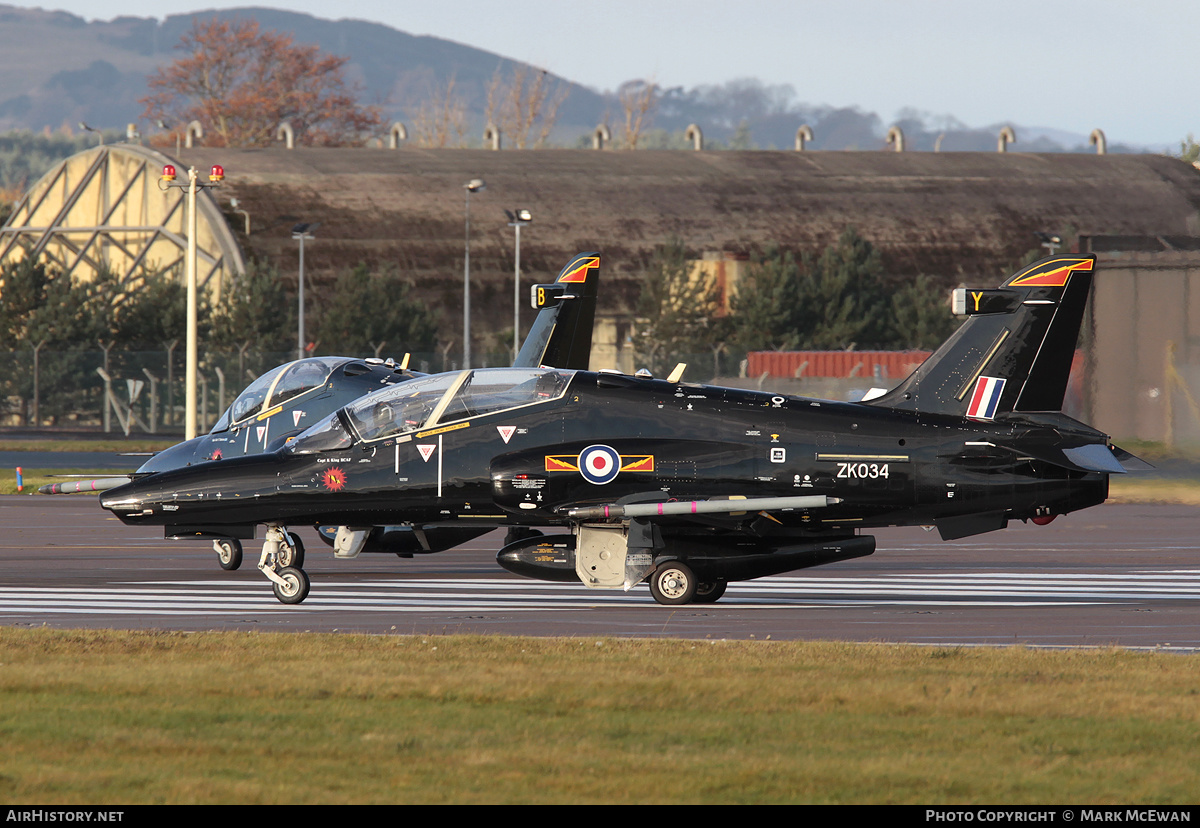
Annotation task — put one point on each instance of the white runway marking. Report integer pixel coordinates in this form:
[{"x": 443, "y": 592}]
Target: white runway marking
[{"x": 479, "y": 595}]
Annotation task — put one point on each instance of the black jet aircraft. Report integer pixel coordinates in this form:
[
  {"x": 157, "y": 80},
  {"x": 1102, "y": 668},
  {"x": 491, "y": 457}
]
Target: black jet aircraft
[
  {"x": 685, "y": 486},
  {"x": 286, "y": 400}
]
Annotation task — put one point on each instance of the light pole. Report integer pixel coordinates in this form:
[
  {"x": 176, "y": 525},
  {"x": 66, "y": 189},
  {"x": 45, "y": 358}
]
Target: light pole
[
  {"x": 475, "y": 185},
  {"x": 215, "y": 177},
  {"x": 301, "y": 232},
  {"x": 1051, "y": 243},
  {"x": 87, "y": 128},
  {"x": 516, "y": 221}
]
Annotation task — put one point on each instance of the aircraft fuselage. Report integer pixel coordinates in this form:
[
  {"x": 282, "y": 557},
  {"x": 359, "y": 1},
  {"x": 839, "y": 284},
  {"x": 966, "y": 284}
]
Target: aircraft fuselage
[{"x": 617, "y": 437}]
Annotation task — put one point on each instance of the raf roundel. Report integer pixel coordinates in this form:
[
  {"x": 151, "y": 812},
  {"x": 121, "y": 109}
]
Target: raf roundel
[{"x": 599, "y": 464}]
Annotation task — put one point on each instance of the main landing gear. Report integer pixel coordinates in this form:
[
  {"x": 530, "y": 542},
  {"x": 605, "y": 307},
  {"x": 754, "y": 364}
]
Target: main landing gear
[
  {"x": 282, "y": 561},
  {"x": 674, "y": 583}
]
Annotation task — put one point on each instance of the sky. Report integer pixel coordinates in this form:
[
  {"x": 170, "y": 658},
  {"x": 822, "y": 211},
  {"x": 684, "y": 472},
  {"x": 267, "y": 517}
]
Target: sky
[{"x": 1125, "y": 66}]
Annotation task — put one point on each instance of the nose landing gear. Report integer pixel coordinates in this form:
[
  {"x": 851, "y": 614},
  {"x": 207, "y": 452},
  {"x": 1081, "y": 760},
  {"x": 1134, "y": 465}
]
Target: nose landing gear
[{"x": 281, "y": 561}]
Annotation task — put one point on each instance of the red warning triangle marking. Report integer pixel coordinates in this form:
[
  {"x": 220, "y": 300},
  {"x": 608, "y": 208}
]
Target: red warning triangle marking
[
  {"x": 506, "y": 432},
  {"x": 426, "y": 452}
]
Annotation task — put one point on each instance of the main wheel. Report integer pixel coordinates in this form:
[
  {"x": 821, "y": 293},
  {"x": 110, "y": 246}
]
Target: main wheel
[
  {"x": 295, "y": 586},
  {"x": 292, "y": 555},
  {"x": 710, "y": 593},
  {"x": 673, "y": 583},
  {"x": 229, "y": 553}
]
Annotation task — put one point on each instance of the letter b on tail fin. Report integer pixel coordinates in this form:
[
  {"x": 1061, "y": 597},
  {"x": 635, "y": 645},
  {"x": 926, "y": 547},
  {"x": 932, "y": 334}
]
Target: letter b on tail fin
[
  {"x": 1014, "y": 351},
  {"x": 561, "y": 336}
]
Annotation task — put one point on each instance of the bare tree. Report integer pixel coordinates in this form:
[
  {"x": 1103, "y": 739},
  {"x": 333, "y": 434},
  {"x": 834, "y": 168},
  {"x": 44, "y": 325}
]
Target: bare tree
[
  {"x": 441, "y": 119},
  {"x": 525, "y": 105},
  {"x": 638, "y": 99}
]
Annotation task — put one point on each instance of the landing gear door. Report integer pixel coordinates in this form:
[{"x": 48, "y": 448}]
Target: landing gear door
[
  {"x": 600, "y": 556},
  {"x": 642, "y": 538},
  {"x": 614, "y": 556}
]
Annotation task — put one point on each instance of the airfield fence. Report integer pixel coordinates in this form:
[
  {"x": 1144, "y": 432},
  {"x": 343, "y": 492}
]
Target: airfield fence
[
  {"x": 145, "y": 389},
  {"x": 65, "y": 388}
]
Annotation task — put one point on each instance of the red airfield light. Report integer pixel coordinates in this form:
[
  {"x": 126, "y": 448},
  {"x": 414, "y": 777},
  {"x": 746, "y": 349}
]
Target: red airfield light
[
  {"x": 168, "y": 172},
  {"x": 217, "y": 174}
]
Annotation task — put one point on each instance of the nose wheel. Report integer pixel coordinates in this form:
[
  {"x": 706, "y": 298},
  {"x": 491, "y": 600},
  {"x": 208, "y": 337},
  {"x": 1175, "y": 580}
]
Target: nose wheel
[
  {"x": 229, "y": 553},
  {"x": 281, "y": 561},
  {"x": 292, "y": 587}
]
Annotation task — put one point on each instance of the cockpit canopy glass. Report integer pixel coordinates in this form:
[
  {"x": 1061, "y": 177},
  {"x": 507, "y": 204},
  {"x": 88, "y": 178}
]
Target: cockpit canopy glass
[
  {"x": 277, "y": 386},
  {"x": 433, "y": 401}
]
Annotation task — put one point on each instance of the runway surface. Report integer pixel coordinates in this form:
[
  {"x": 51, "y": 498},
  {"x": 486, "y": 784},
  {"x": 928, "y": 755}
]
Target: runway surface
[{"x": 1119, "y": 574}]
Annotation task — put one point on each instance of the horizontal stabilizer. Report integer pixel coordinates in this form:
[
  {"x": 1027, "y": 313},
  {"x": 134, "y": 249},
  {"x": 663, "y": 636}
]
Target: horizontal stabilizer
[
  {"x": 1095, "y": 457},
  {"x": 1130, "y": 462},
  {"x": 1091, "y": 457}
]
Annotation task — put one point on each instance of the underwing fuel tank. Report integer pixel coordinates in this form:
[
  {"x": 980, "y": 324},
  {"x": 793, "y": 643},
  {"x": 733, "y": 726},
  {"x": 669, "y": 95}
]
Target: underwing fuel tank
[{"x": 547, "y": 558}]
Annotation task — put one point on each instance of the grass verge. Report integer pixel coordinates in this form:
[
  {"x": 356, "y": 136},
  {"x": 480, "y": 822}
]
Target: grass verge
[
  {"x": 33, "y": 478},
  {"x": 1130, "y": 489},
  {"x": 110, "y": 446},
  {"x": 154, "y": 717}
]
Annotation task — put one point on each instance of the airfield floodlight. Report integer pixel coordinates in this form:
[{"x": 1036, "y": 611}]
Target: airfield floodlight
[
  {"x": 237, "y": 208},
  {"x": 87, "y": 128},
  {"x": 1051, "y": 243},
  {"x": 516, "y": 221},
  {"x": 192, "y": 185},
  {"x": 475, "y": 185},
  {"x": 301, "y": 232}
]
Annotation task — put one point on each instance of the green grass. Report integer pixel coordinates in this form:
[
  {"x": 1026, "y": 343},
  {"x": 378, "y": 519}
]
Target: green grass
[
  {"x": 111, "y": 445},
  {"x": 1131, "y": 489},
  {"x": 129, "y": 717},
  {"x": 33, "y": 478}
]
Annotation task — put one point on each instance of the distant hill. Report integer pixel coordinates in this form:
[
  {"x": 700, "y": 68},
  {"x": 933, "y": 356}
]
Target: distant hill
[{"x": 57, "y": 69}]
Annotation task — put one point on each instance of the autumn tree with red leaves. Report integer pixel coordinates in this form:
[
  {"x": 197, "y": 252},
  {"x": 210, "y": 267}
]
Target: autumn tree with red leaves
[{"x": 241, "y": 83}]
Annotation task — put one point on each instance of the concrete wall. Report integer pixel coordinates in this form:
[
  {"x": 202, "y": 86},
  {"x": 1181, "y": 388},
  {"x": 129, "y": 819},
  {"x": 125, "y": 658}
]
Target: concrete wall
[{"x": 1145, "y": 346}]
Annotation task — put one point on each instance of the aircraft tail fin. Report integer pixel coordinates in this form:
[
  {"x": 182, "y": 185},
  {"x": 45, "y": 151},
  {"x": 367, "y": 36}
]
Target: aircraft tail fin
[
  {"x": 561, "y": 336},
  {"x": 1013, "y": 352}
]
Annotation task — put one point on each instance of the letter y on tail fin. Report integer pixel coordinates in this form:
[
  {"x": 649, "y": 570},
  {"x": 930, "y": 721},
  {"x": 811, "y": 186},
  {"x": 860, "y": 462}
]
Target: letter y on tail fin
[{"x": 1014, "y": 351}]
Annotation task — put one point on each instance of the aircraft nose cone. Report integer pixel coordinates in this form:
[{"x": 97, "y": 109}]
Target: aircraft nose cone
[{"x": 125, "y": 499}]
